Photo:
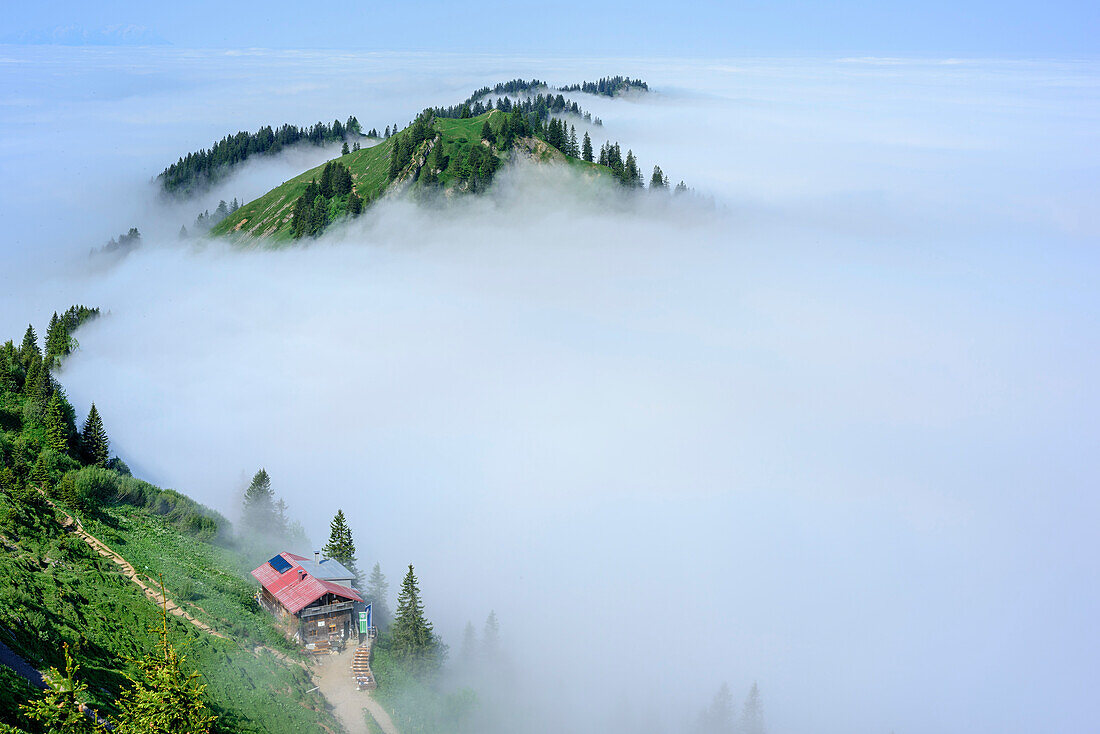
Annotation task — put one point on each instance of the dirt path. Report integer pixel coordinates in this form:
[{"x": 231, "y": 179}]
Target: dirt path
[
  {"x": 154, "y": 594},
  {"x": 333, "y": 677}
]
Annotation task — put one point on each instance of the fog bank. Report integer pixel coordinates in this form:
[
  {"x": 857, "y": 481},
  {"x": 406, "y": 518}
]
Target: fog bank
[{"x": 835, "y": 433}]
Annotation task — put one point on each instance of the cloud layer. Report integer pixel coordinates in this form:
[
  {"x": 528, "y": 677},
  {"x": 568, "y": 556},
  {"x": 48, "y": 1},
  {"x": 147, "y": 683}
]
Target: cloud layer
[{"x": 835, "y": 433}]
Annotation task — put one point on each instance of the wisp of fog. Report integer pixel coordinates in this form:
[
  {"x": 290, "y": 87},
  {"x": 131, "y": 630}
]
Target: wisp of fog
[{"x": 828, "y": 425}]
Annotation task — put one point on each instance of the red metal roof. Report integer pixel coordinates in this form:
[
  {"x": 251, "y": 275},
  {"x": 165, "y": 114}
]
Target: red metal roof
[{"x": 294, "y": 591}]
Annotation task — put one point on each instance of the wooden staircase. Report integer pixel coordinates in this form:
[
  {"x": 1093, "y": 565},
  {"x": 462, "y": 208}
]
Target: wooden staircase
[{"x": 360, "y": 666}]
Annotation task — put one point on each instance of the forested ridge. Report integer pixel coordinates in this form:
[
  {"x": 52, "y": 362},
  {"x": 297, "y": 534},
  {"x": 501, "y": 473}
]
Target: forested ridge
[
  {"x": 196, "y": 171},
  {"x": 455, "y": 150}
]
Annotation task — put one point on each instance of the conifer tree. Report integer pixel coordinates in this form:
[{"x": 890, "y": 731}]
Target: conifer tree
[
  {"x": 573, "y": 150},
  {"x": 61, "y": 709},
  {"x": 355, "y": 204},
  {"x": 165, "y": 699},
  {"x": 326, "y": 180},
  {"x": 40, "y": 474},
  {"x": 93, "y": 439},
  {"x": 340, "y": 545},
  {"x": 55, "y": 339},
  {"x": 183, "y": 232},
  {"x": 411, "y": 636},
  {"x": 258, "y": 508},
  {"x": 631, "y": 175},
  {"x": 395, "y": 158},
  {"x": 718, "y": 717},
  {"x": 32, "y": 380},
  {"x": 57, "y": 429},
  {"x": 490, "y": 638},
  {"x": 468, "y": 650},
  {"x": 487, "y": 132},
  {"x": 378, "y": 594},
  {"x": 586, "y": 148},
  {"x": 30, "y": 346},
  {"x": 658, "y": 180},
  {"x": 318, "y": 216},
  {"x": 344, "y": 150},
  {"x": 752, "y": 713},
  {"x": 7, "y": 380}
]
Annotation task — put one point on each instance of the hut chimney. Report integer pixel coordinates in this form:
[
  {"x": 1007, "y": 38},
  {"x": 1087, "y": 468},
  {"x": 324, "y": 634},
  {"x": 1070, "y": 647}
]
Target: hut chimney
[
  {"x": 317, "y": 556},
  {"x": 301, "y": 573}
]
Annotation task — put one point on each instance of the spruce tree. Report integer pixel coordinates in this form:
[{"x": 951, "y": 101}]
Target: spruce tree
[
  {"x": 57, "y": 429},
  {"x": 93, "y": 439},
  {"x": 340, "y": 545},
  {"x": 490, "y": 638},
  {"x": 658, "y": 180},
  {"x": 355, "y": 204},
  {"x": 752, "y": 714},
  {"x": 40, "y": 474},
  {"x": 395, "y": 159},
  {"x": 61, "y": 708},
  {"x": 258, "y": 508},
  {"x": 411, "y": 636},
  {"x": 468, "y": 650},
  {"x": 344, "y": 150},
  {"x": 487, "y": 132},
  {"x": 30, "y": 346},
  {"x": 378, "y": 594}
]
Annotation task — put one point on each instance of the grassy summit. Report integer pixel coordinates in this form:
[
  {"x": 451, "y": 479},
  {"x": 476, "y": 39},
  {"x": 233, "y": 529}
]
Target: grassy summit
[{"x": 450, "y": 155}]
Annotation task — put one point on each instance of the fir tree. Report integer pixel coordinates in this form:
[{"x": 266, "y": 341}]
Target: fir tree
[
  {"x": 258, "y": 507},
  {"x": 658, "y": 180},
  {"x": 326, "y": 180},
  {"x": 93, "y": 439},
  {"x": 378, "y": 594},
  {"x": 395, "y": 158},
  {"x": 183, "y": 232},
  {"x": 355, "y": 204},
  {"x": 469, "y": 645},
  {"x": 57, "y": 429},
  {"x": 573, "y": 150},
  {"x": 61, "y": 709},
  {"x": 487, "y": 132},
  {"x": 490, "y": 638},
  {"x": 586, "y": 148},
  {"x": 340, "y": 545},
  {"x": 40, "y": 474},
  {"x": 411, "y": 636},
  {"x": 718, "y": 717},
  {"x": 55, "y": 339},
  {"x": 35, "y": 377},
  {"x": 344, "y": 150},
  {"x": 752, "y": 713},
  {"x": 165, "y": 699},
  {"x": 30, "y": 346}
]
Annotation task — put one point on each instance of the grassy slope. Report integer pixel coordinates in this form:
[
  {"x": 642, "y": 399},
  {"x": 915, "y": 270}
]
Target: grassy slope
[
  {"x": 269, "y": 215},
  {"x": 54, "y": 589}
]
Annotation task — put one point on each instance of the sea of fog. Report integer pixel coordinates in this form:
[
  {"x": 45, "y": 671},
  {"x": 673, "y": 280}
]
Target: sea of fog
[{"x": 830, "y": 425}]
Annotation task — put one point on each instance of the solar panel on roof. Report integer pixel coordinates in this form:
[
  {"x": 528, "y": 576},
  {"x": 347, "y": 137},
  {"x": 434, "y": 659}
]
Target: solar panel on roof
[{"x": 280, "y": 564}]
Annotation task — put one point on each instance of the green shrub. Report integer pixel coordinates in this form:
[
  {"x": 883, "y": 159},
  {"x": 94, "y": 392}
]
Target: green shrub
[{"x": 94, "y": 486}]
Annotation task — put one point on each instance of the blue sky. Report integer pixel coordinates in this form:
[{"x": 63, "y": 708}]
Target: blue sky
[{"x": 1002, "y": 29}]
